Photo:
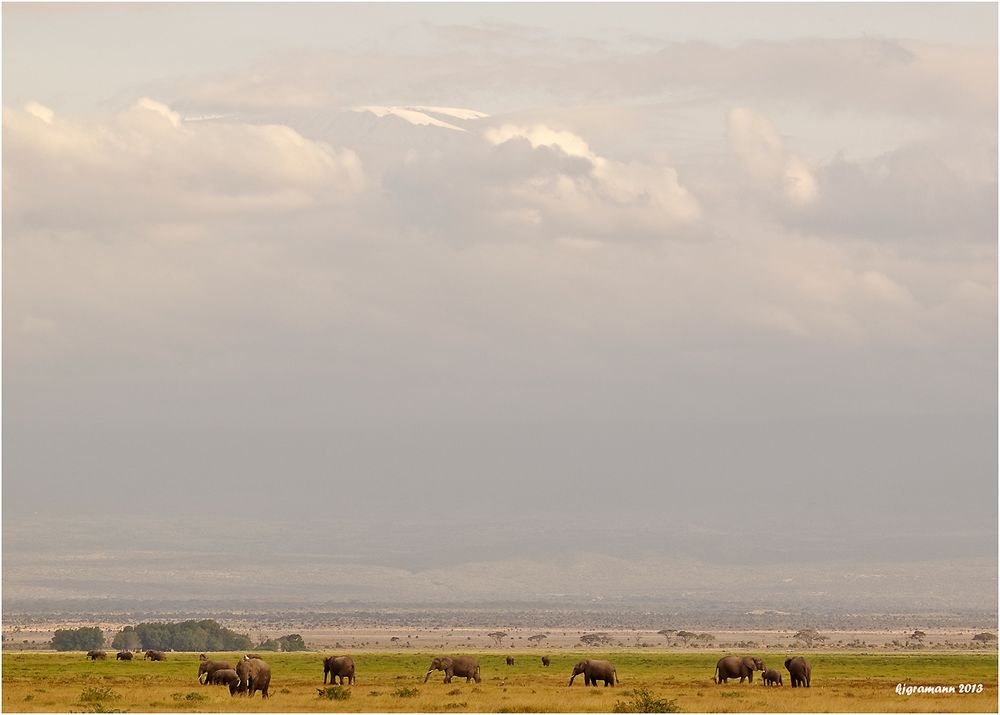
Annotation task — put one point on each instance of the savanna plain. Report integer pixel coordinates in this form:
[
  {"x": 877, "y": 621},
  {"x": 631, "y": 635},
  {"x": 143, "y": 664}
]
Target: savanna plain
[{"x": 394, "y": 682}]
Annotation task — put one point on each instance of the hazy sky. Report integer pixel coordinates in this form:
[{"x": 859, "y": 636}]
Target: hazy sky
[{"x": 730, "y": 266}]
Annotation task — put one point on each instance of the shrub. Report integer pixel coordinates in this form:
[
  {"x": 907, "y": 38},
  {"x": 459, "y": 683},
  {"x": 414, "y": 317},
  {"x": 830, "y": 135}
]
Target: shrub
[
  {"x": 406, "y": 692},
  {"x": 189, "y": 697},
  {"x": 97, "y": 694},
  {"x": 335, "y": 692},
  {"x": 642, "y": 701}
]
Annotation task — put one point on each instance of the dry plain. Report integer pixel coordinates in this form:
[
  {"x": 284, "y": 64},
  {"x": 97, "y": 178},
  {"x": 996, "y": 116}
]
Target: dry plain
[{"x": 392, "y": 681}]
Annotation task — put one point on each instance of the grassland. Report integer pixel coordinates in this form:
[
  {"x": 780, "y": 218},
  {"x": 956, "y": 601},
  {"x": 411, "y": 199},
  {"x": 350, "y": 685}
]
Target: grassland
[{"x": 393, "y": 682}]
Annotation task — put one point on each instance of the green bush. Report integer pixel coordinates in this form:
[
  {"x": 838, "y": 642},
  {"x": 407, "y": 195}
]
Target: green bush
[
  {"x": 97, "y": 694},
  {"x": 189, "y": 697},
  {"x": 336, "y": 692},
  {"x": 642, "y": 701},
  {"x": 406, "y": 692}
]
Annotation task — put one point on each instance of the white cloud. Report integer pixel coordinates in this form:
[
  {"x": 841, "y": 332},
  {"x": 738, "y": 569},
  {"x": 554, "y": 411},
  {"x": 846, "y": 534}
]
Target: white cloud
[
  {"x": 40, "y": 111},
  {"x": 612, "y": 200},
  {"x": 146, "y": 164},
  {"x": 757, "y": 144}
]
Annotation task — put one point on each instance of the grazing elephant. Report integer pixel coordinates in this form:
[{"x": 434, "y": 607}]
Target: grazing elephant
[
  {"x": 209, "y": 667},
  {"x": 225, "y": 677},
  {"x": 124, "y": 655},
  {"x": 545, "y": 661},
  {"x": 594, "y": 670},
  {"x": 771, "y": 677},
  {"x": 510, "y": 660},
  {"x": 800, "y": 670},
  {"x": 732, "y": 666},
  {"x": 254, "y": 674},
  {"x": 461, "y": 665},
  {"x": 155, "y": 655},
  {"x": 338, "y": 666},
  {"x": 97, "y": 655}
]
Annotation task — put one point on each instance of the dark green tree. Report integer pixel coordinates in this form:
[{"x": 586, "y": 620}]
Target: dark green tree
[
  {"x": 78, "y": 639},
  {"x": 126, "y": 639}
]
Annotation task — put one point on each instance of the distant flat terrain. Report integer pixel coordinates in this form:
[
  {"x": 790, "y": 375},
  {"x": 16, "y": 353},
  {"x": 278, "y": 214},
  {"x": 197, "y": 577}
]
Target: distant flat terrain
[{"x": 393, "y": 682}]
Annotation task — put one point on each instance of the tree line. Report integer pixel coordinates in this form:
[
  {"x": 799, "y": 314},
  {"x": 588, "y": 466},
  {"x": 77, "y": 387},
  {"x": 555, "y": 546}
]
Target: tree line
[{"x": 204, "y": 636}]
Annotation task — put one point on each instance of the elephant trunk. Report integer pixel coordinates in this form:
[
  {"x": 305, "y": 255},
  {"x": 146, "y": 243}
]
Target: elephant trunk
[
  {"x": 428, "y": 674},
  {"x": 571, "y": 678}
]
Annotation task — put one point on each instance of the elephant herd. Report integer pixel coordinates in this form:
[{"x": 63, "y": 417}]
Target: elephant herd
[
  {"x": 250, "y": 674},
  {"x": 732, "y": 666}
]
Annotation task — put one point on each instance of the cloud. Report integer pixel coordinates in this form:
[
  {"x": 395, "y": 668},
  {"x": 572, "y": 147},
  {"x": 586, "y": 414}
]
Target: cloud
[
  {"x": 757, "y": 144},
  {"x": 147, "y": 165},
  {"x": 943, "y": 188},
  {"x": 611, "y": 199}
]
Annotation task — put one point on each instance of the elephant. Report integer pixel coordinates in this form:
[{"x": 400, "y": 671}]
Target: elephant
[
  {"x": 594, "y": 670},
  {"x": 97, "y": 655},
  {"x": 254, "y": 674},
  {"x": 225, "y": 677},
  {"x": 461, "y": 665},
  {"x": 732, "y": 666},
  {"x": 510, "y": 660},
  {"x": 155, "y": 655},
  {"x": 124, "y": 655},
  {"x": 338, "y": 666},
  {"x": 208, "y": 668},
  {"x": 771, "y": 677},
  {"x": 545, "y": 661},
  {"x": 800, "y": 670}
]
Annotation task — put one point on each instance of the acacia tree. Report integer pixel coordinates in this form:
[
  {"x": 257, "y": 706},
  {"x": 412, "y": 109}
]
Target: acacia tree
[
  {"x": 595, "y": 639},
  {"x": 668, "y": 633},
  {"x": 497, "y": 636},
  {"x": 686, "y": 636},
  {"x": 536, "y": 639}
]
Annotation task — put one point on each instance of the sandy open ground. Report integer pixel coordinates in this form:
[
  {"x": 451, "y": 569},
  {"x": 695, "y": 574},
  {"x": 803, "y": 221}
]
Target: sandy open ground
[{"x": 401, "y": 638}]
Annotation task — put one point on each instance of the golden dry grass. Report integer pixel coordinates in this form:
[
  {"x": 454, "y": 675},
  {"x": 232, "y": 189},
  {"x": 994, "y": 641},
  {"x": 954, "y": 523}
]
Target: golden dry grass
[{"x": 393, "y": 682}]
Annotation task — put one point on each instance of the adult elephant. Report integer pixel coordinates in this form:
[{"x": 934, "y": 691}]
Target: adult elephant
[
  {"x": 338, "y": 666},
  {"x": 732, "y": 666},
  {"x": 208, "y": 668},
  {"x": 154, "y": 655},
  {"x": 463, "y": 666},
  {"x": 545, "y": 661},
  {"x": 97, "y": 655},
  {"x": 254, "y": 674},
  {"x": 800, "y": 670},
  {"x": 124, "y": 655},
  {"x": 510, "y": 660},
  {"x": 594, "y": 670}
]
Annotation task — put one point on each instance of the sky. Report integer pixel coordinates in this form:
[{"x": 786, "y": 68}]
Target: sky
[{"x": 656, "y": 281}]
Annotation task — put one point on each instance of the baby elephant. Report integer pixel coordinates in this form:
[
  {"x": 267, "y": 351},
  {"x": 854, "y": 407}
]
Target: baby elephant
[
  {"x": 771, "y": 677},
  {"x": 510, "y": 660}
]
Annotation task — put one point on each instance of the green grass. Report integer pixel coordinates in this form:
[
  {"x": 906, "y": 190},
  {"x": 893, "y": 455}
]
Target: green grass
[{"x": 393, "y": 682}]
